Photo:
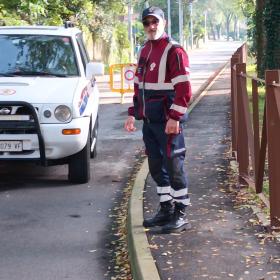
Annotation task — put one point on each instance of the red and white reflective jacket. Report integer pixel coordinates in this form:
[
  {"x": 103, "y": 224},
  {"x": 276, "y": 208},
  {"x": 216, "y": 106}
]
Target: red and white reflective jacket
[{"x": 162, "y": 88}]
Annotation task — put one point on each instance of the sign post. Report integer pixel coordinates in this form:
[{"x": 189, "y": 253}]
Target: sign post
[{"x": 122, "y": 78}]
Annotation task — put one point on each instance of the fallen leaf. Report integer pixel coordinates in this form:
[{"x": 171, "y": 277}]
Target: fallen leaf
[{"x": 155, "y": 246}]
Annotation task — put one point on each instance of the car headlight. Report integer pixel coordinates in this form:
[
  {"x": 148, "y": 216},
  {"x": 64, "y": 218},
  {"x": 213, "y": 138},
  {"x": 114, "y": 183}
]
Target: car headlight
[{"x": 62, "y": 113}]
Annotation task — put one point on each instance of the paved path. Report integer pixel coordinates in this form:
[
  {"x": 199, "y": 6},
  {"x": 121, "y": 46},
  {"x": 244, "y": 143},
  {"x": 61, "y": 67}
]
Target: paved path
[
  {"x": 203, "y": 64},
  {"x": 50, "y": 229},
  {"x": 225, "y": 241}
]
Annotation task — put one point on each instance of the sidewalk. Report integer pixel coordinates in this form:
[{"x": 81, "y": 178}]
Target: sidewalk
[
  {"x": 204, "y": 64},
  {"x": 223, "y": 243}
]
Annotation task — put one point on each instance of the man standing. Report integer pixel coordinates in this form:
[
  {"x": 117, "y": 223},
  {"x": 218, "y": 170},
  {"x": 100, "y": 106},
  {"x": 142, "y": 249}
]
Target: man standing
[{"x": 161, "y": 94}]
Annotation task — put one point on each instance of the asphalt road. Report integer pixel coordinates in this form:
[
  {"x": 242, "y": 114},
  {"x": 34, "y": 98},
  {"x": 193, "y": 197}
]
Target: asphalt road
[{"x": 52, "y": 230}]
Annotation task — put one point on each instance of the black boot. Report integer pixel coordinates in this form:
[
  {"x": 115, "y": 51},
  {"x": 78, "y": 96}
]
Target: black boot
[
  {"x": 162, "y": 217},
  {"x": 179, "y": 222}
]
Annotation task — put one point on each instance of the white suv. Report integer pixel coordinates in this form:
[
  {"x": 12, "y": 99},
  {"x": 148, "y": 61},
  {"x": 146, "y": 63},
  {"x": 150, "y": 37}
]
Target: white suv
[{"x": 48, "y": 98}]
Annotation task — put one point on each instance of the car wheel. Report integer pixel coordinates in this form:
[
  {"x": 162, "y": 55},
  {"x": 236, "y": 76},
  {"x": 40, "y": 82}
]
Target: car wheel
[
  {"x": 93, "y": 143},
  {"x": 79, "y": 165}
]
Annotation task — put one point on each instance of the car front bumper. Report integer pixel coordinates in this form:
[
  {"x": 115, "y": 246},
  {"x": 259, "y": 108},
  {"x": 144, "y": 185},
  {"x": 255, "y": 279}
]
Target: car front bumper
[{"x": 54, "y": 143}]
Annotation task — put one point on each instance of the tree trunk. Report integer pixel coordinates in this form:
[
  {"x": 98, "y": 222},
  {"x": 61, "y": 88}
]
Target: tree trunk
[
  {"x": 218, "y": 29},
  {"x": 260, "y": 37},
  {"x": 228, "y": 19},
  {"x": 235, "y": 28},
  {"x": 212, "y": 30},
  {"x": 93, "y": 37}
]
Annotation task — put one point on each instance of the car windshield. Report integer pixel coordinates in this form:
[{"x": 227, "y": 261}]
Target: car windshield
[{"x": 37, "y": 55}]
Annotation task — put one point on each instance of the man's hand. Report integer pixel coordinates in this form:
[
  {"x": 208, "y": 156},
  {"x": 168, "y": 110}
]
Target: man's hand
[
  {"x": 129, "y": 124},
  {"x": 172, "y": 127}
]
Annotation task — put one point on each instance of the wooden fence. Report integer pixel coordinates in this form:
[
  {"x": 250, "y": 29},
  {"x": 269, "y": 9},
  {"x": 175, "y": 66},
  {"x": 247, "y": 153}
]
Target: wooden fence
[{"x": 249, "y": 146}]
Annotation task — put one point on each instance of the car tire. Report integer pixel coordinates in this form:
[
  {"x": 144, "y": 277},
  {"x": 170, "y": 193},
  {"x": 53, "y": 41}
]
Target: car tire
[
  {"x": 93, "y": 152},
  {"x": 79, "y": 165}
]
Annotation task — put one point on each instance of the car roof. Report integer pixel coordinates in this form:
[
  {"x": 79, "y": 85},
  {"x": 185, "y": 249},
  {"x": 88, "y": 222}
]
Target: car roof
[{"x": 40, "y": 30}]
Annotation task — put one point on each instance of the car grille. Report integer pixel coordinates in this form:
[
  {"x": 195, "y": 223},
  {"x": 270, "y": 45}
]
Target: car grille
[
  {"x": 16, "y": 120},
  {"x": 19, "y": 117}
]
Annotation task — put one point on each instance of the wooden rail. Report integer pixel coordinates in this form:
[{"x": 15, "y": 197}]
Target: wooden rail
[{"x": 248, "y": 146}]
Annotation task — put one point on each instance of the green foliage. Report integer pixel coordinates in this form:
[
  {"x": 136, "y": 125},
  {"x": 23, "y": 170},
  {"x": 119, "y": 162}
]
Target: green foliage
[
  {"x": 248, "y": 8},
  {"x": 272, "y": 28},
  {"x": 213, "y": 10},
  {"x": 8, "y": 18},
  {"x": 100, "y": 18},
  {"x": 198, "y": 28},
  {"x": 139, "y": 33},
  {"x": 263, "y": 32},
  {"x": 100, "y": 24},
  {"x": 33, "y": 11},
  {"x": 252, "y": 71},
  {"x": 121, "y": 36}
]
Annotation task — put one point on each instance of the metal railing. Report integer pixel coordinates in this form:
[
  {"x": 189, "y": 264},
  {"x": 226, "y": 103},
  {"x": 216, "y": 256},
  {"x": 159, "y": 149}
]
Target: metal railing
[{"x": 249, "y": 147}]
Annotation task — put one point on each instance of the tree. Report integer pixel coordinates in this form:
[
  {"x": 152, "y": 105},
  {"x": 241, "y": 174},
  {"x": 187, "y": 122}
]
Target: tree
[
  {"x": 272, "y": 31},
  {"x": 229, "y": 11},
  {"x": 100, "y": 18},
  {"x": 10, "y": 13},
  {"x": 104, "y": 25},
  {"x": 121, "y": 36},
  {"x": 259, "y": 37}
]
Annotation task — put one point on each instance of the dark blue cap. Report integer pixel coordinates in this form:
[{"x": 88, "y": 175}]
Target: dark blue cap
[{"x": 153, "y": 11}]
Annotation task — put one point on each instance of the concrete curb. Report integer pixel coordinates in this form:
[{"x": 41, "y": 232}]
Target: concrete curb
[{"x": 142, "y": 263}]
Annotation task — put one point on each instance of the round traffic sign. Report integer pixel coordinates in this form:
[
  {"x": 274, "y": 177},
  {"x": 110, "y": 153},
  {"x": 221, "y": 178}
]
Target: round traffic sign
[{"x": 129, "y": 75}]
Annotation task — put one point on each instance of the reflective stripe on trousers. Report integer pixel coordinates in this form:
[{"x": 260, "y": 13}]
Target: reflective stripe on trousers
[{"x": 166, "y": 154}]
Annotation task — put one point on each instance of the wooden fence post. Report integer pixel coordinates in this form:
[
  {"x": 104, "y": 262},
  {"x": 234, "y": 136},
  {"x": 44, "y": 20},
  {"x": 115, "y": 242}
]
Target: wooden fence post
[
  {"x": 234, "y": 60},
  {"x": 244, "y": 53},
  {"x": 256, "y": 125},
  {"x": 273, "y": 141},
  {"x": 242, "y": 134},
  {"x": 259, "y": 147}
]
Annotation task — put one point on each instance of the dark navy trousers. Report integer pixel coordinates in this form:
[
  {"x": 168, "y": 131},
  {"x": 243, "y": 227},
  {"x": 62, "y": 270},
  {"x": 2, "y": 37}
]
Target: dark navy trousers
[{"x": 166, "y": 155}]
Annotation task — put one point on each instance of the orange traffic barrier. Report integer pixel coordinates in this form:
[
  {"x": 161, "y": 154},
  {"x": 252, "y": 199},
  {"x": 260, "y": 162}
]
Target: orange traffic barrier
[{"x": 122, "y": 78}]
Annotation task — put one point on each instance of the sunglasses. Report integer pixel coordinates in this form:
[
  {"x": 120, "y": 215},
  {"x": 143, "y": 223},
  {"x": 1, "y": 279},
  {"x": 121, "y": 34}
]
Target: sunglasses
[{"x": 147, "y": 23}]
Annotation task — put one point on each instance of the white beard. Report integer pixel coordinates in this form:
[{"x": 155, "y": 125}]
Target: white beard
[{"x": 155, "y": 36}]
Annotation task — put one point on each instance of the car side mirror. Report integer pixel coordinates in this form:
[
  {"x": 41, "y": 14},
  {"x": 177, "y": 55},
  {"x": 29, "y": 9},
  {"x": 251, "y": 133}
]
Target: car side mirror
[{"x": 94, "y": 69}]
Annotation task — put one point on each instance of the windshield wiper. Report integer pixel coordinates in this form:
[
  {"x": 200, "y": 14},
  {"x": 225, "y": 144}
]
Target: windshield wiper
[
  {"x": 34, "y": 73},
  {"x": 7, "y": 75}
]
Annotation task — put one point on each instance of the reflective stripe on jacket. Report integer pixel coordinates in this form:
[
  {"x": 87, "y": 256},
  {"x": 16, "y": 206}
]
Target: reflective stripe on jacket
[{"x": 161, "y": 87}]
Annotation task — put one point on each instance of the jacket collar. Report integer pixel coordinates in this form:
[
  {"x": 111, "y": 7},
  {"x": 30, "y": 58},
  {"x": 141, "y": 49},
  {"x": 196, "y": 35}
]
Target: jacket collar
[{"x": 164, "y": 37}]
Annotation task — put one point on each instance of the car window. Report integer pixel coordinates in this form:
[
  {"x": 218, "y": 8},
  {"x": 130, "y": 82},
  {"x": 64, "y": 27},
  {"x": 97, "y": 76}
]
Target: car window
[
  {"x": 37, "y": 53},
  {"x": 83, "y": 51}
]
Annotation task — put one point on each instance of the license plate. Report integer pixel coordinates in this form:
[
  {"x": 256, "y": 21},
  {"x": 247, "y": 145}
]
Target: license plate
[
  {"x": 14, "y": 118},
  {"x": 10, "y": 146}
]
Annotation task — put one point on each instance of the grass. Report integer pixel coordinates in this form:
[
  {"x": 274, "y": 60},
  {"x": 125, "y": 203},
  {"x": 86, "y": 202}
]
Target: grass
[
  {"x": 266, "y": 188},
  {"x": 251, "y": 71}
]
